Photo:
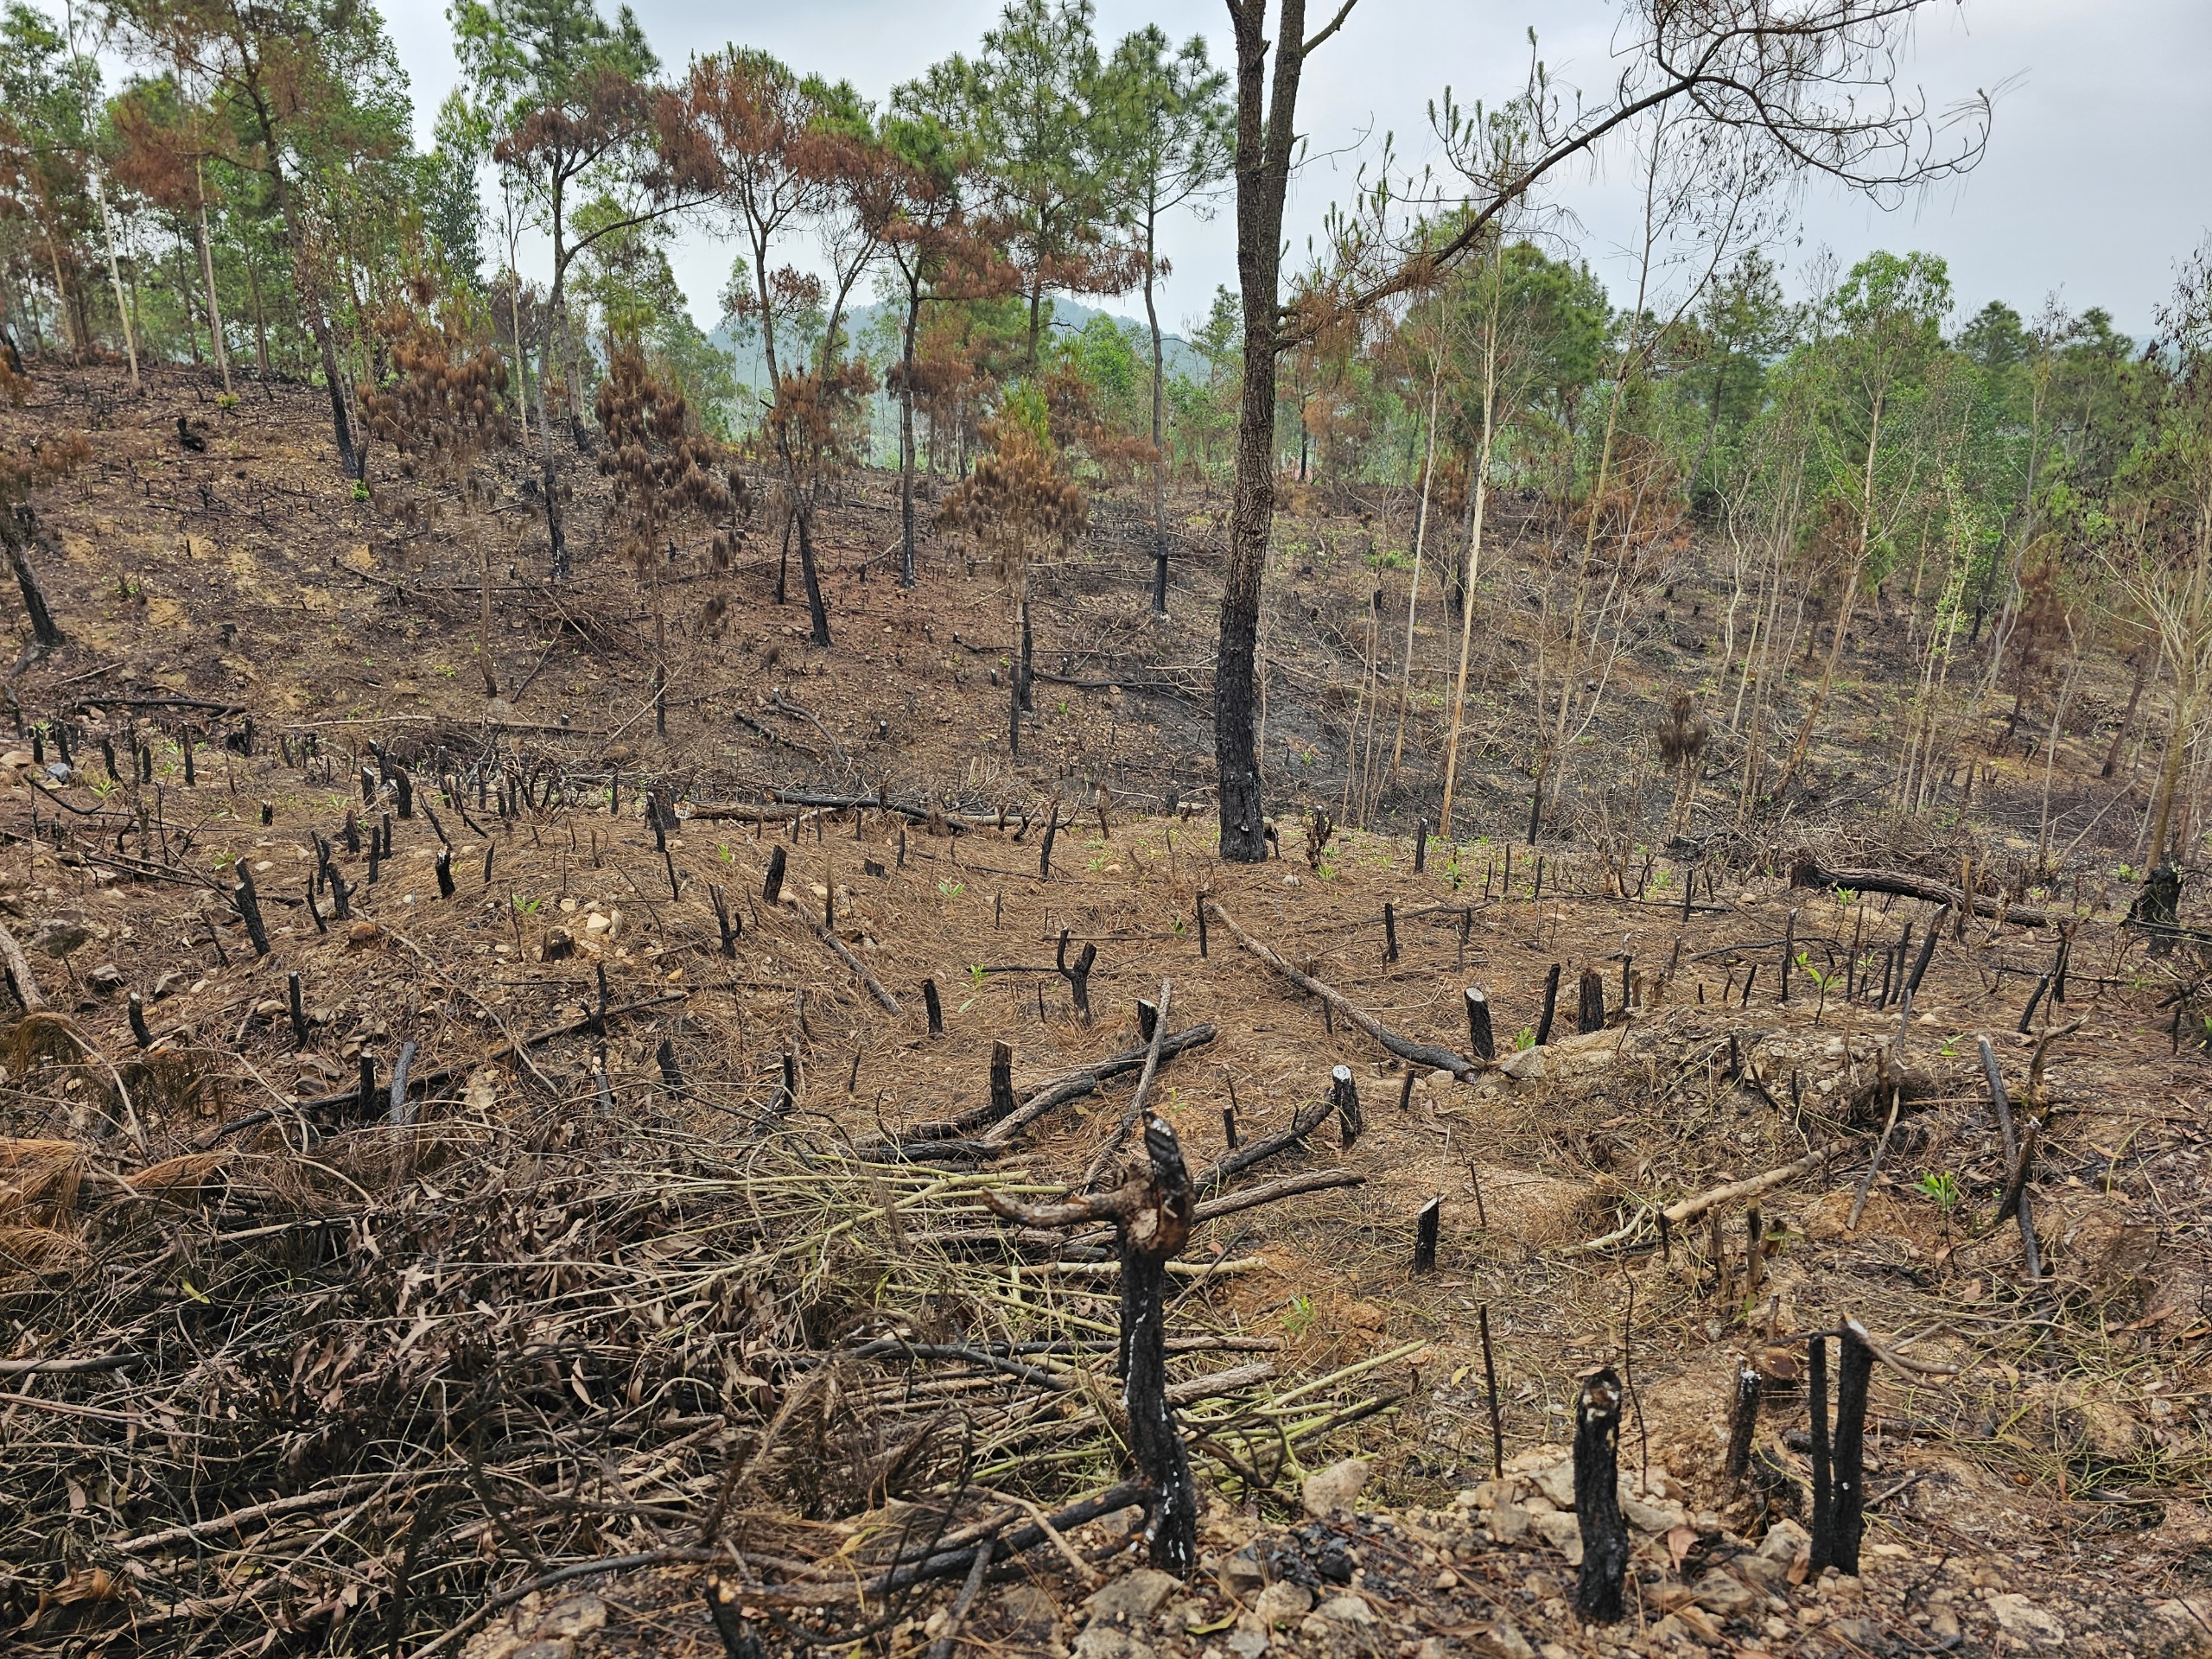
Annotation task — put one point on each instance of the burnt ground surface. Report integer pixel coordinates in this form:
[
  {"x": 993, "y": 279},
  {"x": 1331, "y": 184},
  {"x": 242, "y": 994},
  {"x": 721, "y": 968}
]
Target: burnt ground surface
[{"x": 2048, "y": 1495}]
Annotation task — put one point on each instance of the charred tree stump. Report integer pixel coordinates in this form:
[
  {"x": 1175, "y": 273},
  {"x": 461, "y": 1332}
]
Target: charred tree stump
[
  {"x": 1390, "y": 932},
  {"x": 729, "y": 928},
  {"x": 929, "y": 1001},
  {"x": 1482, "y": 1041},
  {"x": 1847, "y": 1504},
  {"x": 1591, "y": 1015},
  {"x": 139, "y": 1035},
  {"x": 671, "y": 1073},
  {"x": 1147, "y": 1018},
  {"x": 1596, "y": 1500},
  {"x": 1551, "y": 1006},
  {"x": 1420, "y": 845},
  {"x": 444, "y": 865},
  {"x": 1427, "y": 1225},
  {"x": 364, "y": 1100},
  {"x": 2028, "y": 1013},
  {"x": 1344, "y": 1097},
  {"x": 1002, "y": 1097},
  {"x": 1823, "y": 1515},
  {"x": 772, "y": 884},
  {"x": 297, "y": 1008},
  {"x": 1078, "y": 977},
  {"x": 1152, "y": 1212},
  {"x": 405, "y": 785},
  {"x": 341, "y": 899},
  {"x": 1229, "y": 1126},
  {"x": 1051, "y": 834},
  {"x": 1789, "y": 955},
  {"x": 2157, "y": 908}
]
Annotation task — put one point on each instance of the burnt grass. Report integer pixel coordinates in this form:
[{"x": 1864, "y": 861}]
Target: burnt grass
[{"x": 2063, "y": 1467}]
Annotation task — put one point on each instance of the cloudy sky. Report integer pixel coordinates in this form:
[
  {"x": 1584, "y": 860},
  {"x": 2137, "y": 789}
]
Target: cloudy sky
[{"x": 2097, "y": 178}]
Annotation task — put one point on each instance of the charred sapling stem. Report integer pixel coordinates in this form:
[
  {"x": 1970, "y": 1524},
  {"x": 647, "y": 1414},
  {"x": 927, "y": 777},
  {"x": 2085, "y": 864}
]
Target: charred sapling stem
[
  {"x": 1551, "y": 1006},
  {"x": 935, "y": 1006},
  {"x": 1002, "y": 1097},
  {"x": 1390, "y": 932},
  {"x": 771, "y": 885},
  {"x": 1823, "y": 1515},
  {"x": 139, "y": 1035},
  {"x": 298, "y": 1010},
  {"x": 1743, "y": 1416}
]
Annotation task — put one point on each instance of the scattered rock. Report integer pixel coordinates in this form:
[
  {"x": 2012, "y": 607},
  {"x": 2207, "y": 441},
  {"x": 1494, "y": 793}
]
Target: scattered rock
[
  {"x": 1028, "y": 1607},
  {"x": 1335, "y": 1487},
  {"x": 1507, "y": 1642},
  {"x": 577, "y": 1616},
  {"x": 1280, "y": 1603},
  {"x": 1563, "y": 1533},
  {"x": 1347, "y": 1610},
  {"x": 1247, "y": 1644},
  {"x": 1109, "y": 1641},
  {"x": 1134, "y": 1597},
  {"x": 1718, "y": 1592},
  {"x": 1557, "y": 1484},
  {"x": 2019, "y": 1617}
]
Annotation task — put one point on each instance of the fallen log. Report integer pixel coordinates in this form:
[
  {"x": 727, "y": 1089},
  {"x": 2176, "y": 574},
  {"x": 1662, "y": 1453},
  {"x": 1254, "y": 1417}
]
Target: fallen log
[
  {"x": 1422, "y": 1054},
  {"x": 1810, "y": 873}
]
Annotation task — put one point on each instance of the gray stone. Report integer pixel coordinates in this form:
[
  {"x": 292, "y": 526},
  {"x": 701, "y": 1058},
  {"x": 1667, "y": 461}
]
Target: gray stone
[
  {"x": 1720, "y": 1593},
  {"x": 1029, "y": 1607},
  {"x": 577, "y": 1616},
  {"x": 1523, "y": 1066},
  {"x": 1335, "y": 1487},
  {"x": 2019, "y": 1617},
  {"x": 1785, "y": 1542},
  {"x": 1563, "y": 1533},
  {"x": 1507, "y": 1642},
  {"x": 1279, "y": 1603},
  {"x": 1347, "y": 1610},
  {"x": 1240, "y": 1575},
  {"x": 1135, "y": 1596},
  {"x": 1110, "y": 1641},
  {"x": 1508, "y": 1522},
  {"x": 557, "y": 1647},
  {"x": 1557, "y": 1483},
  {"x": 1247, "y": 1644}
]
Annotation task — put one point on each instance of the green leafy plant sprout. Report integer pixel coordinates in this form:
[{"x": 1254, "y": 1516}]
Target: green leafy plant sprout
[{"x": 952, "y": 889}]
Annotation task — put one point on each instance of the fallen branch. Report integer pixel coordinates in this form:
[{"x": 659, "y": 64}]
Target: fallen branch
[
  {"x": 884, "y": 998},
  {"x": 1689, "y": 1209},
  {"x": 1422, "y": 1054},
  {"x": 20, "y": 978}
]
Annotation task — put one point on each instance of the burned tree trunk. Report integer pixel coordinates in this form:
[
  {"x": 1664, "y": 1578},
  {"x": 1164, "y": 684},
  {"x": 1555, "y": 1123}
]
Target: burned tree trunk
[
  {"x": 18, "y": 529},
  {"x": 1152, "y": 1212},
  {"x": 1596, "y": 1499}
]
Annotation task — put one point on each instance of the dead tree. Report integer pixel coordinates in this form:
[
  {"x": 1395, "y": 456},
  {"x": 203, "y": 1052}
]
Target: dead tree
[{"x": 1152, "y": 1212}]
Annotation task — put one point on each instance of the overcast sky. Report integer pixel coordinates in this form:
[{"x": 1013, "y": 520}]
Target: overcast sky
[{"x": 2097, "y": 178}]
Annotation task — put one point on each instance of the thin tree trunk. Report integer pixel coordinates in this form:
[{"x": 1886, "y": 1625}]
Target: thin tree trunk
[
  {"x": 1158, "y": 432},
  {"x": 1264, "y": 139},
  {"x": 208, "y": 271},
  {"x": 1477, "y": 496},
  {"x": 1421, "y": 536},
  {"x": 907, "y": 435},
  {"x": 1843, "y": 616}
]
